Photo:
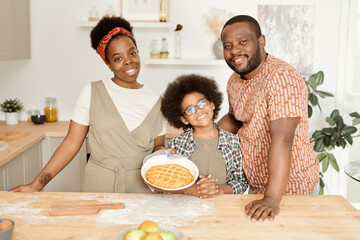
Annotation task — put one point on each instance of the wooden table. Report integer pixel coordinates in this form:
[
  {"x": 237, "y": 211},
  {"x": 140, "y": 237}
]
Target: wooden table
[{"x": 222, "y": 217}]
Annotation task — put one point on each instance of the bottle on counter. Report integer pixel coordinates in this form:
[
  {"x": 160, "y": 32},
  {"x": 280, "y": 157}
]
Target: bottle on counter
[
  {"x": 50, "y": 109},
  {"x": 163, "y": 11},
  {"x": 154, "y": 52},
  {"x": 164, "y": 51}
]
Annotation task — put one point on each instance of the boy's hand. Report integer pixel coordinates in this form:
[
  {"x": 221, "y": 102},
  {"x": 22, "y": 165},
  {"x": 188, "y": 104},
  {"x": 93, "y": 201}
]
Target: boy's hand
[
  {"x": 191, "y": 191},
  {"x": 207, "y": 187},
  {"x": 171, "y": 150}
]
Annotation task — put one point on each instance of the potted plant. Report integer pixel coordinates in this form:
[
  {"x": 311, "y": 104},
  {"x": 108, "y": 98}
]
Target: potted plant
[
  {"x": 337, "y": 134},
  {"x": 12, "y": 107}
]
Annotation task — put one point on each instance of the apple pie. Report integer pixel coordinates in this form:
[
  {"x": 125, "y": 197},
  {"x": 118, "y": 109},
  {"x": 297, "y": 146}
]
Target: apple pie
[{"x": 169, "y": 176}]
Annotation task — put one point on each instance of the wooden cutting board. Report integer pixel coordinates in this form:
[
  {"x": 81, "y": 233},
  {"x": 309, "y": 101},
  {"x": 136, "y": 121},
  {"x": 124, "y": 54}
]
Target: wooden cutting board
[
  {"x": 81, "y": 207},
  {"x": 12, "y": 135}
]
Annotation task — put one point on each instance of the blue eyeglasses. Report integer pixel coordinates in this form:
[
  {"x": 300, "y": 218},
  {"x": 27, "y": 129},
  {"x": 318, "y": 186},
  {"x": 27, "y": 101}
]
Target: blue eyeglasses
[{"x": 202, "y": 103}]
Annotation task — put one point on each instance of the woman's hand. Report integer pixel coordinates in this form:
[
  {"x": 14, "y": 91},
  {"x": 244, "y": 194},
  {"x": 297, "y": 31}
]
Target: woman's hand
[{"x": 28, "y": 188}]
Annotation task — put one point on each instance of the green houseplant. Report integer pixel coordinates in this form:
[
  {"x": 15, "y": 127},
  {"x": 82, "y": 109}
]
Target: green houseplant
[
  {"x": 337, "y": 134},
  {"x": 12, "y": 107}
]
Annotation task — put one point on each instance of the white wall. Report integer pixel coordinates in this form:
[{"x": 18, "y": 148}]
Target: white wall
[{"x": 62, "y": 61}]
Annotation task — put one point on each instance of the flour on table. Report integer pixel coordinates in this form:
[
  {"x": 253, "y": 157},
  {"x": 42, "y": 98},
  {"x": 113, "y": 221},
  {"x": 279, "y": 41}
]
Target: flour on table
[{"x": 173, "y": 210}]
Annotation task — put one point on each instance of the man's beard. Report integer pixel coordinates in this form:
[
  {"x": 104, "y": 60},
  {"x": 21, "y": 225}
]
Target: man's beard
[{"x": 252, "y": 64}]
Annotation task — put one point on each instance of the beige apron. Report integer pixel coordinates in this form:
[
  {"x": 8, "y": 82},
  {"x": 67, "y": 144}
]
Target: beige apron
[
  {"x": 209, "y": 159},
  {"x": 116, "y": 153}
]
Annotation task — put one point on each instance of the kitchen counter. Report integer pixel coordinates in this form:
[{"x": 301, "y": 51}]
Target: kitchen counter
[
  {"x": 38, "y": 132},
  {"x": 222, "y": 217}
]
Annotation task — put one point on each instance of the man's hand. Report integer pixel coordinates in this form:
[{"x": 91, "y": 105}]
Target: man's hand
[{"x": 259, "y": 210}]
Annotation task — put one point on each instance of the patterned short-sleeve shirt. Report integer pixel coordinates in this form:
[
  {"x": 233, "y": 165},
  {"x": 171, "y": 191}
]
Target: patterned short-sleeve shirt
[{"x": 277, "y": 91}]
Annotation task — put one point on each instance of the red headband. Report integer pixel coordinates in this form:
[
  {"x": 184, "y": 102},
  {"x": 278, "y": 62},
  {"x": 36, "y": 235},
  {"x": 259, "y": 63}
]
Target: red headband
[{"x": 105, "y": 40}]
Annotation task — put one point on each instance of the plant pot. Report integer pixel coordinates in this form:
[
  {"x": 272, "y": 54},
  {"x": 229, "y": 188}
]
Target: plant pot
[
  {"x": 12, "y": 118},
  {"x": 218, "y": 49}
]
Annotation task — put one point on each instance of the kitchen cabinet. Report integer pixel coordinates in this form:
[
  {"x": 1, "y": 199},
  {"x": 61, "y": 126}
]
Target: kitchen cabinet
[
  {"x": 22, "y": 169},
  {"x": 71, "y": 178},
  {"x": 15, "y": 29}
]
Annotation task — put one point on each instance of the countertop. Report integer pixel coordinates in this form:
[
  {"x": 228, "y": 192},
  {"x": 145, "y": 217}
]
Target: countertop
[
  {"x": 221, "y": 217},
  {"x": 38, "y": 132}
]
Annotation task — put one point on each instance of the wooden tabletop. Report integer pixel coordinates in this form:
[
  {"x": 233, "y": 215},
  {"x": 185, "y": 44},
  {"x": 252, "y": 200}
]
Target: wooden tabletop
[{"x": 222, "y": 217}]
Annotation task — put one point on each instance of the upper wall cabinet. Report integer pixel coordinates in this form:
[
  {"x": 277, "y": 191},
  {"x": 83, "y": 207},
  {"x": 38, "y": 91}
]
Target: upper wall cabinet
[{"x": 15, "y": 29}]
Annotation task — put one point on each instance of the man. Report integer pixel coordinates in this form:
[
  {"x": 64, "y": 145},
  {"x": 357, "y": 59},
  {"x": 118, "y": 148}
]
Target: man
[{"x": 268, "y": 110}]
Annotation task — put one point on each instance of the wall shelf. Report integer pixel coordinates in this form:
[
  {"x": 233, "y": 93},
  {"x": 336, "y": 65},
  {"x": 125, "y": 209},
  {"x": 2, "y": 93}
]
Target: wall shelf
[
  {"x": 88, "y": 24},
  {"x": 187, "y": 61}
]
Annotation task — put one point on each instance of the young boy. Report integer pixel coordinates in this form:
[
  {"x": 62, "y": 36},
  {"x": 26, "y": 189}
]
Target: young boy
[{"x": 192, "y": 102}]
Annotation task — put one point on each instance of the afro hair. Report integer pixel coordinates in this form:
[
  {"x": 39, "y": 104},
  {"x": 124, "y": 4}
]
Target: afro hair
[{"x": 179, "y": 88}]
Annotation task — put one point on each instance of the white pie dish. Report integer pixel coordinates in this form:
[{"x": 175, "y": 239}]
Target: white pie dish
[{"x": 163, "y": 159}]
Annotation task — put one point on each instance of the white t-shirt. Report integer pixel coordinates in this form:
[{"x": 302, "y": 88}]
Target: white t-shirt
[{"x": 132, "y": 104}]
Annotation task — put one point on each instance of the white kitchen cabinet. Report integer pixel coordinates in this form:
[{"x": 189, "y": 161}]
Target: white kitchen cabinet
[
  {"x": 71, "y": 178},
  {"x": 15, "y": 29},
  {"x": 22, "y": 169}
]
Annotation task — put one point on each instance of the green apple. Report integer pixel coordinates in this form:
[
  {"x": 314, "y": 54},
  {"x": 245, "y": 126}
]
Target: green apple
[
  {"x": 166, "y": 235},
  {"x": 134, "y": 234}
]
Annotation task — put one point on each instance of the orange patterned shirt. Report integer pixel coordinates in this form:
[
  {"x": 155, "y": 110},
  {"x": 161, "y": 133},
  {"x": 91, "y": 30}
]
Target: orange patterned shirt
[{"x": 277, "y": 91}]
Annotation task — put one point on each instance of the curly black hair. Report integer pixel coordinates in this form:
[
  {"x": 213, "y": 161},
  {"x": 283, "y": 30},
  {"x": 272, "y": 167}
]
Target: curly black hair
[
  {"x": 179, "y": 88},
  {"x": 104, "y": 26}
]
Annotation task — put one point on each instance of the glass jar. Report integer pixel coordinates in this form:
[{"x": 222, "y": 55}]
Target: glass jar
[
  {"x": 154, "y": 52},
  {"x": 94, "y": 14},
  {"x": 164, "y": 51},
  {"x": 110, "y": 12},
  {"x": 50, "y": 109}
]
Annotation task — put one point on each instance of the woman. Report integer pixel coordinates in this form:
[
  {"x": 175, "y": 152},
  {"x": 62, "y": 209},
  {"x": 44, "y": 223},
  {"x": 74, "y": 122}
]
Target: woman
[{"x": 121, "y": 117}]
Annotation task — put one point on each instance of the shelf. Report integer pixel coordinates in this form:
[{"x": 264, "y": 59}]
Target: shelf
[
  {"x": 88, "y": 24},
  {"x": 187, "y": 61}
]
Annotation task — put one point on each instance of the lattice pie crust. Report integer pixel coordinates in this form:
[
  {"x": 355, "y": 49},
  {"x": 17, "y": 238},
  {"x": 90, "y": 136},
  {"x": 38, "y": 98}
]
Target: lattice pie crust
[{"x": 169, "y": 176}]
